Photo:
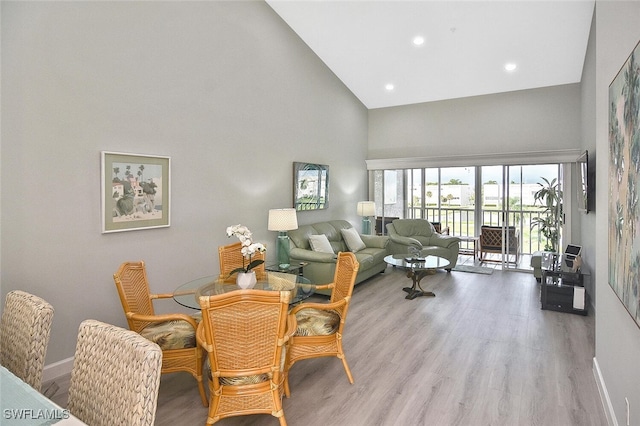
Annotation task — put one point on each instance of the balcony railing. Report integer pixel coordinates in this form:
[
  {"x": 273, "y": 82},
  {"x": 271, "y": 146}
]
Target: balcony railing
[{"x": 461, "y": 222}]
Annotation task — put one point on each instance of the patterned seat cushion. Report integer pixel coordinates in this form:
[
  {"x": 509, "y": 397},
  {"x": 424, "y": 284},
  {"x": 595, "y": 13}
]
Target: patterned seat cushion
[
  {"x": 171, "y": 334},
  {"x": 316, "y": 322},
  {"x": 244, "y": 380},
  {"x": 236, "y": 381}
]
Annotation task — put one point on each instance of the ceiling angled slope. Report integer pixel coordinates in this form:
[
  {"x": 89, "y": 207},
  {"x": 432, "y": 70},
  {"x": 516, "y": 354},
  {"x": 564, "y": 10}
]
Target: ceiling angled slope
[{"x": 369, "y": 45}]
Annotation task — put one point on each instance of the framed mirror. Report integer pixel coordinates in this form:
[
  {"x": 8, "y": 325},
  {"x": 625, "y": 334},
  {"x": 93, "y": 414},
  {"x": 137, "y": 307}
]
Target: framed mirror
[{"x": 310, "y": 186}]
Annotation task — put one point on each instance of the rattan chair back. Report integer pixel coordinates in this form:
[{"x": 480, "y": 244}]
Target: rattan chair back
[
  {"x": 244, "y": 333},
  {"x": 305, "y": 346},
  {"x": 24, "y": 335},
  {"x": 133, "y": 289},
  {"x": 231, "y": 258},
  {"x": 344, "y": 277},
  {"x": 115, "y": 376},
  {"x": 137, "y": 302}
]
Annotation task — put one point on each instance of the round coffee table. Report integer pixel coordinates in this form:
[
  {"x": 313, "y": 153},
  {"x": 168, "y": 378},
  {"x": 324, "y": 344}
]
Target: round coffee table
[{"x": 417, "y": 268}]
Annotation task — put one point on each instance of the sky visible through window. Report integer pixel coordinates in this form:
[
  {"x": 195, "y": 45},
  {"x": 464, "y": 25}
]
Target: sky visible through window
[{"x": 530, "y": 174}]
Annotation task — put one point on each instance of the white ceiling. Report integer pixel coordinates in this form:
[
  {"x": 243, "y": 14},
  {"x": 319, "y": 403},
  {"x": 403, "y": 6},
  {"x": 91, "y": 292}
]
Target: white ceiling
[{"x": 368, "y": 44}]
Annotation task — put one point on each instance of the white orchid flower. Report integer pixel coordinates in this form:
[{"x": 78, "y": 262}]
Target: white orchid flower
[{"x": 249, "y": 248}]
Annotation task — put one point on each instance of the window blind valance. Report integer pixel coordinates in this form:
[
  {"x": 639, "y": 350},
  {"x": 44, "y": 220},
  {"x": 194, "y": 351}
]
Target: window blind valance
[{"x": 489, "y": 159}]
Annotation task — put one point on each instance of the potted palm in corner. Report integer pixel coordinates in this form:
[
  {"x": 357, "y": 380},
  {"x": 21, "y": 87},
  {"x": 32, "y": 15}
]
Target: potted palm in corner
[{"x": 551, "y": 218}]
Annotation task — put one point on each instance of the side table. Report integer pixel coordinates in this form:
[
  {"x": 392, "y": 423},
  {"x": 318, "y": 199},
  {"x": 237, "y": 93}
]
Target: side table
[
  {"x": 561, "y": 290},
  {"x": 296, "y": 269},
  {"x": 470, "y": 239}
]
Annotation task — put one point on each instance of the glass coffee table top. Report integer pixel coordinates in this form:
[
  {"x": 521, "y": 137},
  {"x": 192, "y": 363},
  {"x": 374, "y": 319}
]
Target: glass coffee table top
[{"x": 417, "y": 262}]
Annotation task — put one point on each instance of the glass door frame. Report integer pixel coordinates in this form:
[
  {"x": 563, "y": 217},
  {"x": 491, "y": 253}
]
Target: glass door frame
[{"x": 505, "y": 209}]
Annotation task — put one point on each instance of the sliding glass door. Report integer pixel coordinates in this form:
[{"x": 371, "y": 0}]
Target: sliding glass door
[
  {"x": 463, "y": 199},
  {"x": 509, "y": 201}
]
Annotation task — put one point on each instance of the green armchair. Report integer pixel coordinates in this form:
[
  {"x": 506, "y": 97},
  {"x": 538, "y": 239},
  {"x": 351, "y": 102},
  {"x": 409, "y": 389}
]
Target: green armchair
[{"x": 420, "y": 234}]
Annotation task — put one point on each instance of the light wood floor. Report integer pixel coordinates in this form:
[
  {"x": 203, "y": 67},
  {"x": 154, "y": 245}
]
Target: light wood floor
[{"x": 481, "y": 352}]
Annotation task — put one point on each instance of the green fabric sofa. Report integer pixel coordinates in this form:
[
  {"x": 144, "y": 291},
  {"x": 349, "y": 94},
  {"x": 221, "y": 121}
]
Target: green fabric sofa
[
  {"x": 420, "y": 233},
  {"x": 321, "y": 266}
]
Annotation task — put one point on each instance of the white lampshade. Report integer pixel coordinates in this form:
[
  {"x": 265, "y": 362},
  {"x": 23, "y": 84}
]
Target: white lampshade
[
  {"x": 366, "y": 208},
  {"x": 282, "y": 220}
]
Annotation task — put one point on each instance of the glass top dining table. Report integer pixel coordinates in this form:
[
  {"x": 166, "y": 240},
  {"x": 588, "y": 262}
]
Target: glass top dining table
[{"x": 188, "y": 293}]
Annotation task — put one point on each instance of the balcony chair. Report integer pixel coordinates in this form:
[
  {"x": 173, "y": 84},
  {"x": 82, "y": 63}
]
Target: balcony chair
[
  {"x": 24, "y": 336},
  {"x": 438, "y": 227},
  {"x": 381, "y": 224},
  {"x": 115, "y": 376},
  {"x": 175, "y": 333},
  {"x": 490, "y": 241},
  {"x": 320, "y": 325},
  {"x": 231, "y": 258},
  {"x": 244, "y": 333}
]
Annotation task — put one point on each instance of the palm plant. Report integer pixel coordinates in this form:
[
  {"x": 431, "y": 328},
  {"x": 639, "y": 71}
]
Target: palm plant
[{"x": 551, "y": 218}]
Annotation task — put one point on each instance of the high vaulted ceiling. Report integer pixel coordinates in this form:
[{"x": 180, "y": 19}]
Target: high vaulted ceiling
[{"x": 368, "y": 44}]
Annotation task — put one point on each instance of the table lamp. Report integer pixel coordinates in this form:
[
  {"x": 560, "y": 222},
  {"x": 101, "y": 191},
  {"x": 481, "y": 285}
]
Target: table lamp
[
  {"x": 282, "y": 220},
  {"x": 366, "y": 209}
]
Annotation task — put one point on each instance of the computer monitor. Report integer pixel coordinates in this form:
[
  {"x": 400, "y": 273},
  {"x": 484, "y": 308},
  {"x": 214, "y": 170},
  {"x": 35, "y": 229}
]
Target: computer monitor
[{"x": 573, "y": 250}]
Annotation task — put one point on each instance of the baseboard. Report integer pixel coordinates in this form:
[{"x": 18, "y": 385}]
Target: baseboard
[
  {"x": 57, "y": 369},
  {"x": 604, "y": 395}
]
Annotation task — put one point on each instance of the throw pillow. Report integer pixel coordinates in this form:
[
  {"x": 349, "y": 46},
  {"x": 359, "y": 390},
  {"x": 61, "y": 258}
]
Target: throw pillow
[
  {"x": 320, "y": 243},
  {"x": 353, "y": 240}
]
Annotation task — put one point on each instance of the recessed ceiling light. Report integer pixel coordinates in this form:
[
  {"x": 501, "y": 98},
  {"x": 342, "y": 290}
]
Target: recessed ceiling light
[
  {"x": 510, "y": 66},
  {"x": 418, "y": 40},
  {"x": 389, "y": 87}
]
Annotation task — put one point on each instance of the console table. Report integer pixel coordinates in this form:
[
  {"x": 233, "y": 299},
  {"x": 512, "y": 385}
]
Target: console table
[
  {"x": 562, "y": 290},
  {"x": 470, "y": 239}
]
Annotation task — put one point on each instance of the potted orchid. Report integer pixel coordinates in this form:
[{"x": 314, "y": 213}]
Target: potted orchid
[{"x": 249, "y": 248}]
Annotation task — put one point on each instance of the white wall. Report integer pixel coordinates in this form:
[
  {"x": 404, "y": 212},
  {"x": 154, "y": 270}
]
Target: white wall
[
  {"x": 225, "y": 88},
  {"x": 583, "y": 224},
  {"x": 617, "y": 335},
  {"x": 546, "y": 119}
]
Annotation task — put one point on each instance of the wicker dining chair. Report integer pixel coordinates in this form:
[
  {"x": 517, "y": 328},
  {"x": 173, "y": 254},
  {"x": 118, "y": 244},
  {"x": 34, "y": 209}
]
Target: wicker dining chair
[
  {"x": 320, "y": 325},
  {"x": 115, "y": 376},
  {"x": 174, "y": 333},
  {"x": 231, "y": 258},
  {"x": 244, "y": 333},
  {"x": 24, "y": 335}
]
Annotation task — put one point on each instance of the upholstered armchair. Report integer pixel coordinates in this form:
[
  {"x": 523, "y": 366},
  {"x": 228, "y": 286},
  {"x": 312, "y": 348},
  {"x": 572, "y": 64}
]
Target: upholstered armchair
[{"x": 406, "y": 235}]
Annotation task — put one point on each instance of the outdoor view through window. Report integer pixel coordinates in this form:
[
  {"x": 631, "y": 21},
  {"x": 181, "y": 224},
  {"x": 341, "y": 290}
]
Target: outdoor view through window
[{"x": 452, "y": 197}]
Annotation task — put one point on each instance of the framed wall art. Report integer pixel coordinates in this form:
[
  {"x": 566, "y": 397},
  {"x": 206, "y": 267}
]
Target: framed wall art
[
  {"x": 135, "y": 191},
  {"x": 310, "y": 186},
  {"x": 624, "y": 184}
]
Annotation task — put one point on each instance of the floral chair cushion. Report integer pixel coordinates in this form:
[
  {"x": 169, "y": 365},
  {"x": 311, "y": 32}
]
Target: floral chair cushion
[
  {"x": 243, "y": 380},
  {"x": 316, "y": 322},
  {"x": 236, "y": 381},
  {"x": 171, "y": 334}
]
